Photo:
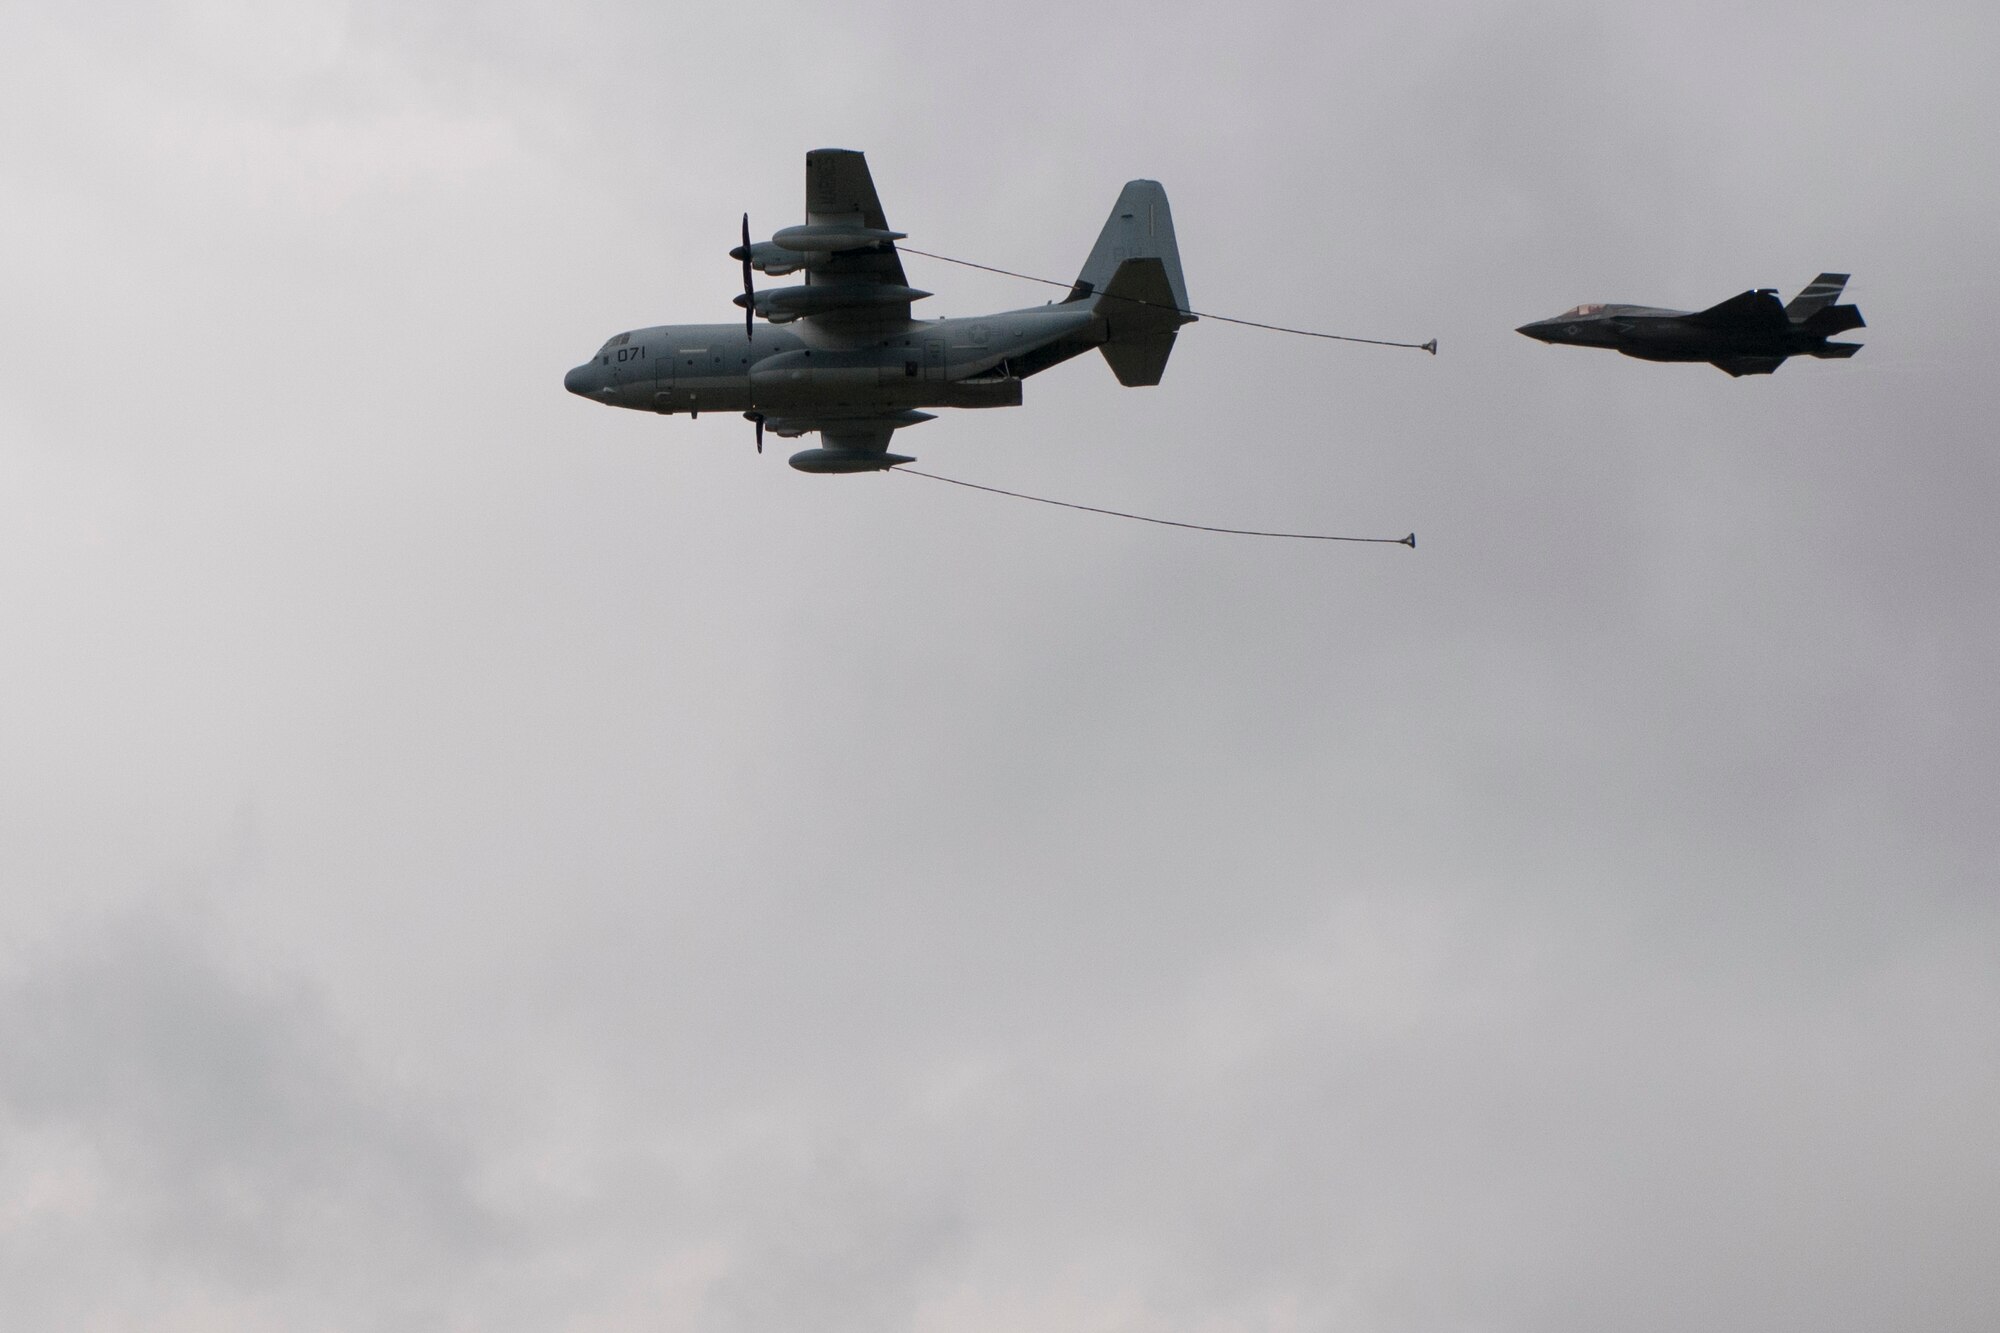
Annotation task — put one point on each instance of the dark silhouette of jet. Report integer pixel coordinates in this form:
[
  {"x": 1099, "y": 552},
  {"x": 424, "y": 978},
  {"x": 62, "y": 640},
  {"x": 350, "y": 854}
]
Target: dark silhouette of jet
[{"x": 1749, "y": 334}]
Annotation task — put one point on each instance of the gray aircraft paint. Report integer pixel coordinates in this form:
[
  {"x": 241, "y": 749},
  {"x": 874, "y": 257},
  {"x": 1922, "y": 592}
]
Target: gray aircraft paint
[
  {"x": 845, "y": 358},
  {"x": 1749, "y": 334}
]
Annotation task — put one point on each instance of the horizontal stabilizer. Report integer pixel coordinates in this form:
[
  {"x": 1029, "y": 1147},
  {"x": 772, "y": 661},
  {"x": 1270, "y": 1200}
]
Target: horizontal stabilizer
[
  {"x": 1834, "y": 319},
  {"x": 1837, "y": 351},
  {"x": 1138, "y": 362},
  {"x": 1820, "y": 293},
  {"x": 1751, "y": 311},
  {"x": 1140, "y": 316}
]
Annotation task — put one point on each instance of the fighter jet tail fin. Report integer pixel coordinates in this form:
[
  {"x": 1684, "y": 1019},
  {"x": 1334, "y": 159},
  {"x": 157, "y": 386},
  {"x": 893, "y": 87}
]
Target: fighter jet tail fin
[
  {"x": 1820, "y": 293},
  {"x": 1749, "y": 311},
  {"x": 1837, "y": 351}
]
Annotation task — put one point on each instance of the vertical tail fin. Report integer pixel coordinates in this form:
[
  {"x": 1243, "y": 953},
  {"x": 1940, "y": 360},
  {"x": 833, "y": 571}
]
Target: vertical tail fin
[
  {"x": 1141, "y": 226},
  {"x": 1820, "y": 293},
  {"x": 1133, "y": 280}
]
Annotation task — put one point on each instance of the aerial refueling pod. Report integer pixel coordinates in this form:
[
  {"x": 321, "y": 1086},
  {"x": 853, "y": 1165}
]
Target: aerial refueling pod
[
  {"x": 846, "y": 460},
  {"x": 831, "y": 237},
  {"x": 793, "y": 248}
]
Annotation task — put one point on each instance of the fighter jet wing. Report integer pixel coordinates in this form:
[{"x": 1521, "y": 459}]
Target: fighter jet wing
[
  {"x": 1749, "y": 311},
  {"x": 1738, "y": 366}
]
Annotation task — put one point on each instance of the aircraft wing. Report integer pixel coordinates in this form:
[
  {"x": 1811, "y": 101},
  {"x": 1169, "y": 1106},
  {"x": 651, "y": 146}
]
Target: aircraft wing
[
  {"x": 848, "y": 444},
  {"x": 1738, "y": 366},
  {"x": 1749, "y": 311},
  {"x": 864, "y": 438},
  {"x": 859, "y": 444},
  {"x": 840, "y": 191}
]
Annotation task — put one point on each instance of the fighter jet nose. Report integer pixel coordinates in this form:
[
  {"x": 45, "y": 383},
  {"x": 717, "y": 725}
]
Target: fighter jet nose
[
  {"x": 579, "y": 379},
  {"x": 1539, "y": 331}
]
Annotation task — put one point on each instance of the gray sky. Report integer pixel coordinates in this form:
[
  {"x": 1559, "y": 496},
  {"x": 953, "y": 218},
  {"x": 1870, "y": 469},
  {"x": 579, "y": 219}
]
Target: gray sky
[{"x": 473, "y": 859}]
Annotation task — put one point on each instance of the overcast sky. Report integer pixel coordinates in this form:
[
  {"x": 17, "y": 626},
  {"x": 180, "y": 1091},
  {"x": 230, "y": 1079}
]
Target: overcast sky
[{"x": 472, "y": 859}]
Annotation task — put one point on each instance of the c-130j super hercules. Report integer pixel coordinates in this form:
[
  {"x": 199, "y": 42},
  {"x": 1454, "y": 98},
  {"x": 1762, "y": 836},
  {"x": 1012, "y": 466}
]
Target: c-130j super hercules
[{"x": 845, "y": 358}]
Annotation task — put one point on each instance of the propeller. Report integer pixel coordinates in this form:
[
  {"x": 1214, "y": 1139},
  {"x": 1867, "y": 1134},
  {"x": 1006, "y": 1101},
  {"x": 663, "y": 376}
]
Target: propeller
[
  {"x": 742, "y": 252},
  {"x": 749, "y": 306}
]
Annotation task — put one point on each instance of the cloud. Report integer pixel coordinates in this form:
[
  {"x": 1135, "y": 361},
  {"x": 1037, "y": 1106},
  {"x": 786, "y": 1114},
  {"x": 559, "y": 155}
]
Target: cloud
[
  {"x": 689, "y": 893},
  {"x": 186, "y": 1141}
]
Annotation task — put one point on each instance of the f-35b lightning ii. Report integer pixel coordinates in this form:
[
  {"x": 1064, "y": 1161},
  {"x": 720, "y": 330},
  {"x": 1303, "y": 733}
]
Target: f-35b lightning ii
[
  {"x": 1749, "y": 334},
  {"x": 842, "y": 355}
]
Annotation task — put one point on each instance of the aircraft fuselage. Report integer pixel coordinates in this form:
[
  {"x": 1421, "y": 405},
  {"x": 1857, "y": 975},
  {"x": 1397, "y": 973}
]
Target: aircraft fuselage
[
  {"x": 1652, "y": 334},
  {"x": 839, "y": 354},
  {"x": 780, "y": 369},
  {"x": 1749, "y": 334}
]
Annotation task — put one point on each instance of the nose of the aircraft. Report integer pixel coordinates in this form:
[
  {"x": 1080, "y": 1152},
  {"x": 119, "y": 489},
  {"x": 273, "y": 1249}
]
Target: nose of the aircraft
[
  {"x": 1538, "y": 330},
  {"x": 580, "y": 379}
]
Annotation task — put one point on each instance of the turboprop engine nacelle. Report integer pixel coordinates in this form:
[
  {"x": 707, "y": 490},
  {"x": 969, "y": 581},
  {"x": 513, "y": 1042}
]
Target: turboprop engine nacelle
[
  {"x": 782, "y": 305},
  {"x": 775, "y": 260},
  {"x": 803, "y": 376}
]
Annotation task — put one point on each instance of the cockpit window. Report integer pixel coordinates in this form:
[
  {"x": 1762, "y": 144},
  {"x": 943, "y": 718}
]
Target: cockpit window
[
  {"x": 1581, "y": 311},
  {"x": 619, "y": 341}
]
